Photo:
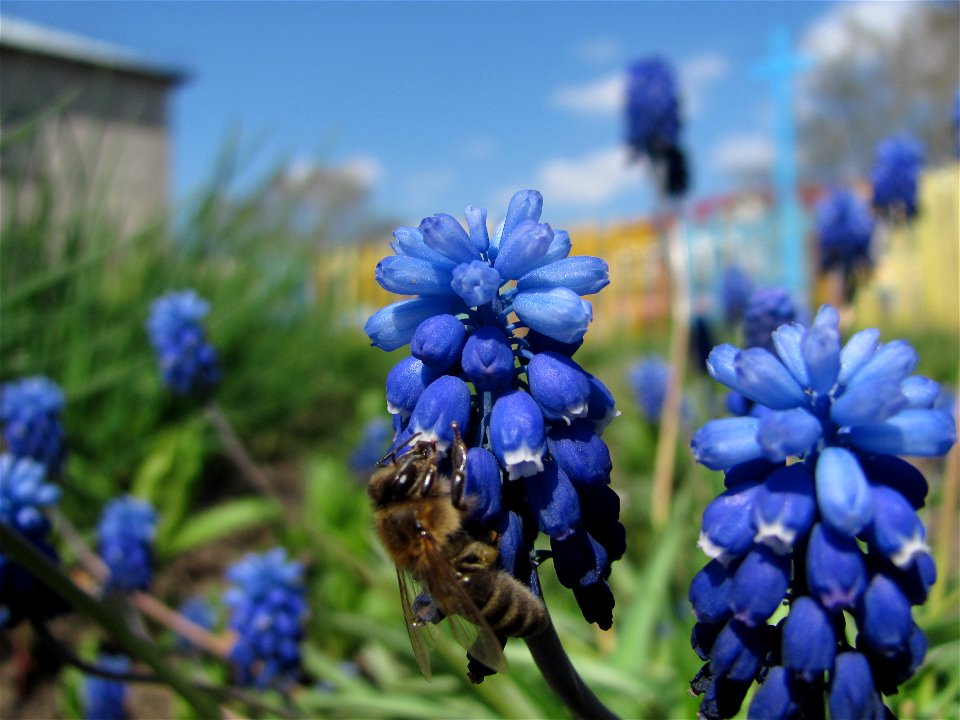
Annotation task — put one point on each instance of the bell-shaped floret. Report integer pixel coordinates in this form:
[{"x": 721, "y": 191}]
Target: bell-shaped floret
[
  {"x": 785, "y": 507},
  {"x": 445, "y": 401},
  {"x": 523, "y": 249},
  {"x": 558, "y": 313},
  {"x": 579, "y": 559},
  {"x": 764, "y": 379},
  {"x": 517, "y": 434},
  {"x": 728, "y": 525},
  {"x": 759, "y": 585},
  {"x": 921, "y": 392},
  {"x": 581, "y": 453},
  {"x": 601, "y": 408},
  {"x": 868, "y": 403},
  {"x": 896, "y": 531},
  {"x": 788, "y": 343},
  {"x": 512, "y": 543},
  {"x": 894, "y": 361},
  {"x": 393, "y": 326},
  {"x": 898, "y": 474},
  {"x": 600, "y": 516},
  {"x": 929, "y": 433},
  {"x": 443, "y": 233},
  {"x": 852, "y": 692},
  {"x": 784, "y": 433},
  {"x": 406, "y": 382},
  {"x": 726, "y": 442},
  {"x": 843, "y": 493},
  {"x": 477, "y": 222},
  {"x": 488, "y": 359},
  {"x": 821, "y": 355},
  {"x": 809, "y": 640},
  {"x": 409, "y": 241},
  {"x": 596, "y": 603},
  {"x": 410, "y": 276},
  {"x": 709, "y": 593},
  {"x": 857, "y": 352},
  {"x": 553, "y": 500},
  {"x": 737, "y": 652},
  {"x": 883, "y": 616},
  {"x": 836, "y": 575},
  {"x": 475, "y": 282},
  {"x": 559, "y": 385},
  {"x": 774, "y": 698},
  {"x": 583, "y": 274},
  {"x": 482, "y": 489},
  {"x": 438, "y": 341}
]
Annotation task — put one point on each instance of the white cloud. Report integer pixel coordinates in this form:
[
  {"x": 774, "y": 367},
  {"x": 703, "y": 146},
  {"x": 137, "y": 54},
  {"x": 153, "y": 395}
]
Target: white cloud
[
  {"x": 600, "y": 97},
  {"x": 837, "y": 33},
  {"x": 480, "y": 148},
  {"x": 604, "y": 96},
  {"x": 599, "y": 50},
  {"x": 588, "y": 180},
  {"x": 696, "y": 74},
  {"x": 741, "y": 153}
]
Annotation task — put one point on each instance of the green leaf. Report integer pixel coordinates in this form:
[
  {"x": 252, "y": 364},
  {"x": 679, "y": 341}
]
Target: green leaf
[{"x": 215, "y": 523}]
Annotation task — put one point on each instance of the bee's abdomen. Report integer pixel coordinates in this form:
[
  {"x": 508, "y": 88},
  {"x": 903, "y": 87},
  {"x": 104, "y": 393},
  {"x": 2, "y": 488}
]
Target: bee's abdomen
[{"x": 508, "y": 605}]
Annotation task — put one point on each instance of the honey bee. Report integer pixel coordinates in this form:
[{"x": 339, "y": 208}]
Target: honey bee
[{"x": 419, "y": 519}]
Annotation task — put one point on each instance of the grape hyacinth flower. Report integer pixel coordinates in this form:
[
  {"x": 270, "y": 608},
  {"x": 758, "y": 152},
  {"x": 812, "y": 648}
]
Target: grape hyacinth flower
[
  {"x": 105, "y": 699},
  {"x": 895, "y": 175},
  {"x": 844, "y": 226},
  {"x": 30, "y": 412},
  {"x": 649, "y": 377},
  {"x": 267, "y": 612},
  {"x": 23, "y": 495},
  {"x": 373, "y": 445},
  {"x": 492, "y": 335},
  {"x": 188, "y": 363},
  {"x": 125, "y": 533},
  {"x": 653, "y": 120},
  {"x": 820, "y": 513},
  {"x": 766, "y": 309},
  {"x": 198, "y": 611}
]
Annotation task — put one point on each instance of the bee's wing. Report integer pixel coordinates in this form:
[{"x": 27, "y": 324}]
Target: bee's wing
[
  {"x": 475, "y": 635},
  {"x": 416, "y": 628}
]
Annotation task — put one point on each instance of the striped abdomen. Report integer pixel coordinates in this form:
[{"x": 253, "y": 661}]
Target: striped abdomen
[{"x": 505, "y": 603}]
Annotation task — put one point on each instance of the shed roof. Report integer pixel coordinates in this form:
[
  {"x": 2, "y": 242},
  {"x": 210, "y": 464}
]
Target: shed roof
[{"x": 40, "y": 40}]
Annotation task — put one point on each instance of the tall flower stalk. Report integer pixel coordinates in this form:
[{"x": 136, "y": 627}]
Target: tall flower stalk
[{"x": 819, "y": 513}]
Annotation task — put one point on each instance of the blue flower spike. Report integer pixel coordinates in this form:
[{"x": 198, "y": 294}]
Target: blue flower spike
[
  {"x": 268, "y": 609},
  {"x": 24, "y": 493},
  {"x": 188, "y": 363},
  {"x": 30, "y": 411},
  {"x": 125, "y": 533},
  {"x": 493, "y": 325},
  {"x": 819, "y": 514},
  {"x": 895, "y": 175},
  {"x": 106, "y": 699}
]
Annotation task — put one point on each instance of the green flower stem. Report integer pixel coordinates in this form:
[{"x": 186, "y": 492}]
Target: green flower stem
[
  {"x": 235, "y": 448},
  {"x": 20, "y": 550},
  {"x": 562, "y": 677},
  {"x": 679, "y": 338}
]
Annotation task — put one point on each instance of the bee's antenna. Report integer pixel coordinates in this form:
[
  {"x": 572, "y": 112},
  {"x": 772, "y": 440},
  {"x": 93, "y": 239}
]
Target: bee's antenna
[{"x": 392, "y": 455}]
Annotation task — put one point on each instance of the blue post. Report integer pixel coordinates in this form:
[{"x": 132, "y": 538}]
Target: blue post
[{"x": 778, "y": 68}]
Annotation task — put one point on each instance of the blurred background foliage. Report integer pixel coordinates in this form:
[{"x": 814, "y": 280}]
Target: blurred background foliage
[{"x": 300, "y": 383}]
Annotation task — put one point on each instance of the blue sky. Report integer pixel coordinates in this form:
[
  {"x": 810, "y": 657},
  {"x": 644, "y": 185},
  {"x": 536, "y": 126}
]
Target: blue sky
[{"x": 441, "y": 105}]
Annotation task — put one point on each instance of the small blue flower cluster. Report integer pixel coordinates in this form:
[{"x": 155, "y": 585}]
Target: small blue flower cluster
[
  {"x": 653, "y": 120},
  {"x": 736, "y": 286},
  {"x": 200, "y": 612},
  {"x": 125, "y": 532},
  {"x": 845, "y": 227},
  {"x": 30, "y": 412},
  {"x": 377, "y": 436},
  {"x": 105, "y": 699},
  {"x": 267, "y": 613},
  {"x": 649, "y": 377},
  {"x": 766, "y": 310},
  {"x": 23, "y": 495},
  {"x": 187, "y": 361},
  {"x": 530, "y": 413},
  {"x": 895, "y": 174},
  {"x": 836, "y": 531}
]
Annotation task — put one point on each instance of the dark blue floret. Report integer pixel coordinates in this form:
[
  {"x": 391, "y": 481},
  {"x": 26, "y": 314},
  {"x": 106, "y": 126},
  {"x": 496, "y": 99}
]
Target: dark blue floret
[
  {"x": 493, "y": 328},
  {"x": 820, "y": 514},
  {"x": 845, "y": 228},
  {"x": 188, "y": 363},
  {"x": 30, "y": 412},
  {"x": 267, "y": 613},
  {"x": 125, "y": 542},
  {"x": 105, "y": 699},
  {"x": 24, "y": 493}
]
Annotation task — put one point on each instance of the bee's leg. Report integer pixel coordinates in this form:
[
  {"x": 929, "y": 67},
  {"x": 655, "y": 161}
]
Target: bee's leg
[
  {"x": 458, "y": 461},
  {"x": 407, "y": 477}
]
